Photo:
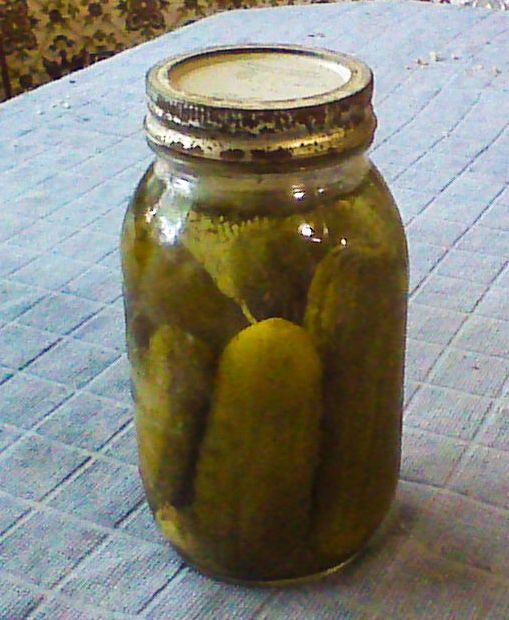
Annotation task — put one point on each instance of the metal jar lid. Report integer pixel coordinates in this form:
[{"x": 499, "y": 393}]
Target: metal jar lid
[{"x": 255, "y": 103}]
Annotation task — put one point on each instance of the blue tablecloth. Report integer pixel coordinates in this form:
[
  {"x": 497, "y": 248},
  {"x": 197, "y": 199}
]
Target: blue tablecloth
[{"x": 77, "y": 540}]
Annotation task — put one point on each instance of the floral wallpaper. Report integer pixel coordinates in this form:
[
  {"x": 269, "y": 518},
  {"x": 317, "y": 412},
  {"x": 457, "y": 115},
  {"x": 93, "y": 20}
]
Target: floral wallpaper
[{"x": 46, "y": 39}]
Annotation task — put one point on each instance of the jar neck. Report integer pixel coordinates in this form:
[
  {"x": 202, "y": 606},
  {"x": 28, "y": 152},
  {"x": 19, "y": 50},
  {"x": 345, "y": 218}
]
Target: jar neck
[{"x": 224, "y": 185}]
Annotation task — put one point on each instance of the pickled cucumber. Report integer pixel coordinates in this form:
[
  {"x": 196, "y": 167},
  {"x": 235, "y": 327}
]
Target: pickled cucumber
[
  {"x": 208, "y": 238},
  {"x": 355, "y": 314},
  {"x": 263, "y": 263},
  {"x": 272, "y": 271},
  {"x": 255, "y": 471},
  {"x": 177, "y": 290},
  {"x": 136, "y": 243},
  {"x": 173, "y": 389}
]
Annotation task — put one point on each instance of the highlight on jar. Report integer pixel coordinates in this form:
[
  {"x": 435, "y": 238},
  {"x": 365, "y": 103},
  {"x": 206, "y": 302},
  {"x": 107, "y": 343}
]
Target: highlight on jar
[{"x": 265, "y": 284}]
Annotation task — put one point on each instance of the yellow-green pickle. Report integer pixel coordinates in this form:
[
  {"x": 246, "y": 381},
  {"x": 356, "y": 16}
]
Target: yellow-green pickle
[{"x": 265, "y": 286}]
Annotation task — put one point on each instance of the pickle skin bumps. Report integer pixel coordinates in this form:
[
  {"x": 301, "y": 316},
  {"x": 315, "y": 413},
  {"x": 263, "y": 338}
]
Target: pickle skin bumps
[
  {"x": 355, "y": 314},
  {"x": 255, "y": 472}
]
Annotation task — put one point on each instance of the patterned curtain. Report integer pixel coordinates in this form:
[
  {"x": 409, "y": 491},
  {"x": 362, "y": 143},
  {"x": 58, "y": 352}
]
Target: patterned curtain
[{"x": 5, "y": 82}]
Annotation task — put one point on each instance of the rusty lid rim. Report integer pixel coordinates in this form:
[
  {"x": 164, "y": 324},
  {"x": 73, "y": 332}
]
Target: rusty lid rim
[{"x": 202, "y": 104}]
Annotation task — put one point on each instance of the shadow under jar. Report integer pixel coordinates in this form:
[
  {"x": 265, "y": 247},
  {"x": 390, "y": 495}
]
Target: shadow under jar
[{"x": 265, "y": 282}]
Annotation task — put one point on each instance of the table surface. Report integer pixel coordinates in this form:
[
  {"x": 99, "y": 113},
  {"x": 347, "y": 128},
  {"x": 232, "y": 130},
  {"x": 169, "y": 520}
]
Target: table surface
[{"x": 77, "y": 540}]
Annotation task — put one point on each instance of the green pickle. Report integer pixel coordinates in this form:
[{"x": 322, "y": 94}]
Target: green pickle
[
  {"x": 355, "y": 314},
  {"x": 255, "y": 473},
  {"x": 172, "y": 385},
  {"x": 172, "y": 284},
  {"x": 272, "y": 272},
  {"x": 260, "y": 262}
]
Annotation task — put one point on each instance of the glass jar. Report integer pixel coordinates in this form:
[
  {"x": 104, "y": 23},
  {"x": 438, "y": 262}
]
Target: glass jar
[{"x": 265, "y": 284}]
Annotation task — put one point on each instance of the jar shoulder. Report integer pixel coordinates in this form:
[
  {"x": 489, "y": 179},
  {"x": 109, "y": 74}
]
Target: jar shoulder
[{"x": 160, "y": 212}]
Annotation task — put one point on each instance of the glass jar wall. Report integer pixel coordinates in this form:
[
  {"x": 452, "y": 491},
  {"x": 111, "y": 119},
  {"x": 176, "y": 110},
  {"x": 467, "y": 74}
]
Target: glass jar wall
[{"x": 265, "y": 309}]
